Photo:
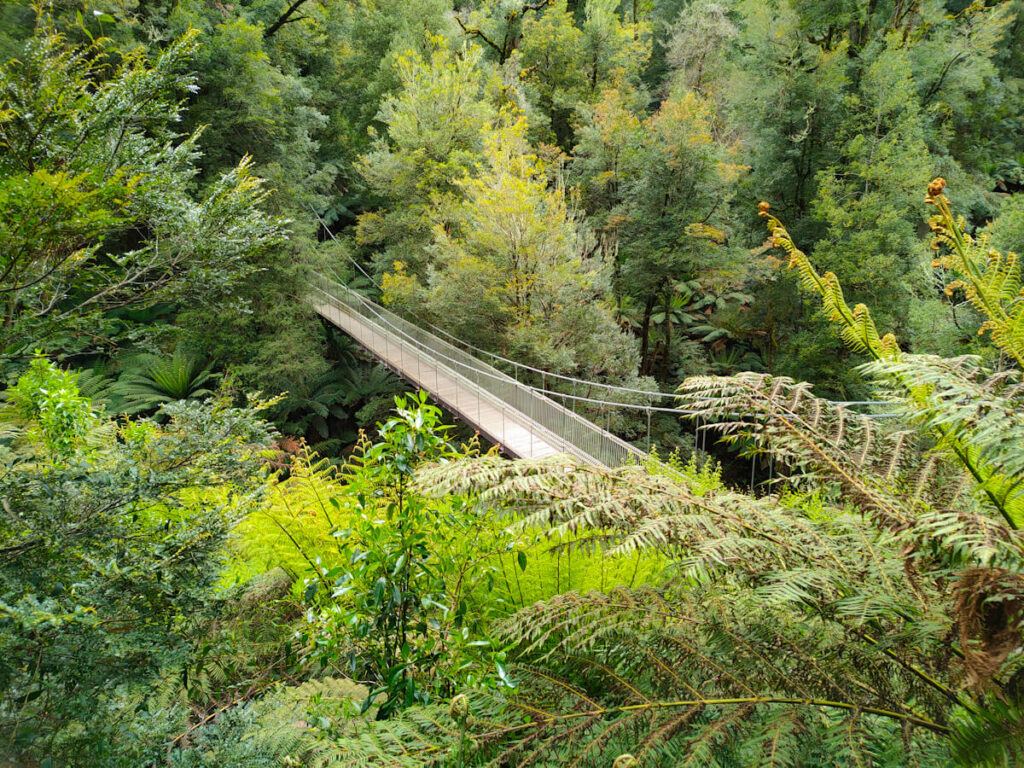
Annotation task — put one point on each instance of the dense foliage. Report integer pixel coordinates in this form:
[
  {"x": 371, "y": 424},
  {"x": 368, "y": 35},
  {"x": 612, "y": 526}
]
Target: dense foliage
[
  {"x": 98, "y": 216},
  {"x": 867, "y": 611},
  {"x": 111, "y": 540},
  {"x": 226, "y": 537}
]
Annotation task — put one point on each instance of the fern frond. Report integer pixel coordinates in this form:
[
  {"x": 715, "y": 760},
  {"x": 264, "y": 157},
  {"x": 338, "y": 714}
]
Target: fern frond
[
  {"x": 856, "y": 326},
  {"x": 986, "y": 276},
  {"x": 768, "y": 607},
  {"x": 708, "y": 664},
  {"x": 991, "y": 738},
  {"x": 977, "y": 413},
  {"x": 809, "y": 437},
  {"x": 991, "y": 280},
  {"x": 415, "y": 738},
  {"x": 642, "y": 510}
]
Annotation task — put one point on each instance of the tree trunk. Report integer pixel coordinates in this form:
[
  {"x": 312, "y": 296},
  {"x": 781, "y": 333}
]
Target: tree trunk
[
  {"x": 645, "y": 337},
  {"x": 668, "y": 339}
]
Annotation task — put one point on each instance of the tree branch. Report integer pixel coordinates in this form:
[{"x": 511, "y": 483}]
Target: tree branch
[
  {"x": 478, "y": 33},
  {"x": 283, "y": 19}
]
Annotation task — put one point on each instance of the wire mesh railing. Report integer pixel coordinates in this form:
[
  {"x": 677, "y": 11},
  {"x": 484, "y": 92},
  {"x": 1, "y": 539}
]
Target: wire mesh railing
[{"x": 407, "y": 346}]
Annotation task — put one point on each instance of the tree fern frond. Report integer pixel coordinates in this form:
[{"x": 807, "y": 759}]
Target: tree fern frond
[
  {"x": 978, "y": 413},
  {"x": 808, "y": 435},
  {"x": 151, "y": 380},
  {"x": 765, "y": 603},
  {"x": 991, "y": 738},
  {"x": 990, "y": 279},
  {"x": 642, "y": 510},
  {"x": 414, "y": 738},
  {"x": 856, "y": 326},
  {"x": 275, "y": 731}
]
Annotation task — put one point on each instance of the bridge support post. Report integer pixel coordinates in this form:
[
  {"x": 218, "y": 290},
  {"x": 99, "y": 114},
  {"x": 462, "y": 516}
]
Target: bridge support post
[{"x": 648, "y": 428}]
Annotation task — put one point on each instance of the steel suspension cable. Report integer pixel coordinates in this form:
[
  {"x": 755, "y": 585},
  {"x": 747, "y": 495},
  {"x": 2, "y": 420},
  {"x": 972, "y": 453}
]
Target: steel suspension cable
[
  {"x": 375, "y": 310},
  {"x": 650, "y": 394}
]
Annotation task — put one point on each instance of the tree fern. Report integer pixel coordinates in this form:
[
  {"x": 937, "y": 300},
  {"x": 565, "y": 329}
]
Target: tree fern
[
  {"x": 970, "y": 407},
  {"x": 836, "y": 622},
  {"x": 270, "y": 732},
  {"x": 151, "y": 380},
  {"x": 987, "y": 283}
]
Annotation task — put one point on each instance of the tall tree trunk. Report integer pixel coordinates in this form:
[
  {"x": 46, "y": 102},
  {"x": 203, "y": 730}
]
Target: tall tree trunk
[
  {"x": 645, "y": 337},
  {"x": 668, "y": 338}
]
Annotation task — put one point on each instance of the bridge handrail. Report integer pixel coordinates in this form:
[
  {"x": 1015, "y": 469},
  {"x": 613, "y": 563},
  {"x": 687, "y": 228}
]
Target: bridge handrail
[{"x": 596, "y": 443}]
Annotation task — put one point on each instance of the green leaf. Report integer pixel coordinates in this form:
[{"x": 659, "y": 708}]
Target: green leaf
[
  {"x": 398, "y": 565},
  {"x": 503, "y": 675},
  {"x": 311, "y": 589}
]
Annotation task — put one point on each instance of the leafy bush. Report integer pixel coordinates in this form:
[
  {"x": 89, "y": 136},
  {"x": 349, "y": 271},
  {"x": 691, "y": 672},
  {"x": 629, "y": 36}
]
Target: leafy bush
[
  {"x": 99, "y": 212},
  {"x": 110, "y": 553},
  {"x": 405, "y": 600},
  {"x": 404, "y": 586},
  {"x": 47, "y": 400}
]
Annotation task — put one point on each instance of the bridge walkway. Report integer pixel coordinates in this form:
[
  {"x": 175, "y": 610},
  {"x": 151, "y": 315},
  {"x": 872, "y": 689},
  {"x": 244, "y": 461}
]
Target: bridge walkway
[{"x": 521, "y": 420}]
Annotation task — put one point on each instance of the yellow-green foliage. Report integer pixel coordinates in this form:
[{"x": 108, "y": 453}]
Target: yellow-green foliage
[
  {"x": 293, "y": 529},
  {"x": 700, "y": 478},
  {"x": 563, "y": 561},
  {"x": 558, "y": 564}
]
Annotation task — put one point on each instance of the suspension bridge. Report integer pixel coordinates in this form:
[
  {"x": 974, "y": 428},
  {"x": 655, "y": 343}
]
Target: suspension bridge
[
  {"x": 520, "y": 418},
  {"x": 523, "y": 419}
]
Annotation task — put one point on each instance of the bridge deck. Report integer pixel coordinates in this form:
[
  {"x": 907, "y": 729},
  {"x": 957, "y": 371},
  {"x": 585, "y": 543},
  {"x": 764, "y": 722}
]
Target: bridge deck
[
  {"x": 516, "y": 433},
  {"x": 521, "y": 419}
]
